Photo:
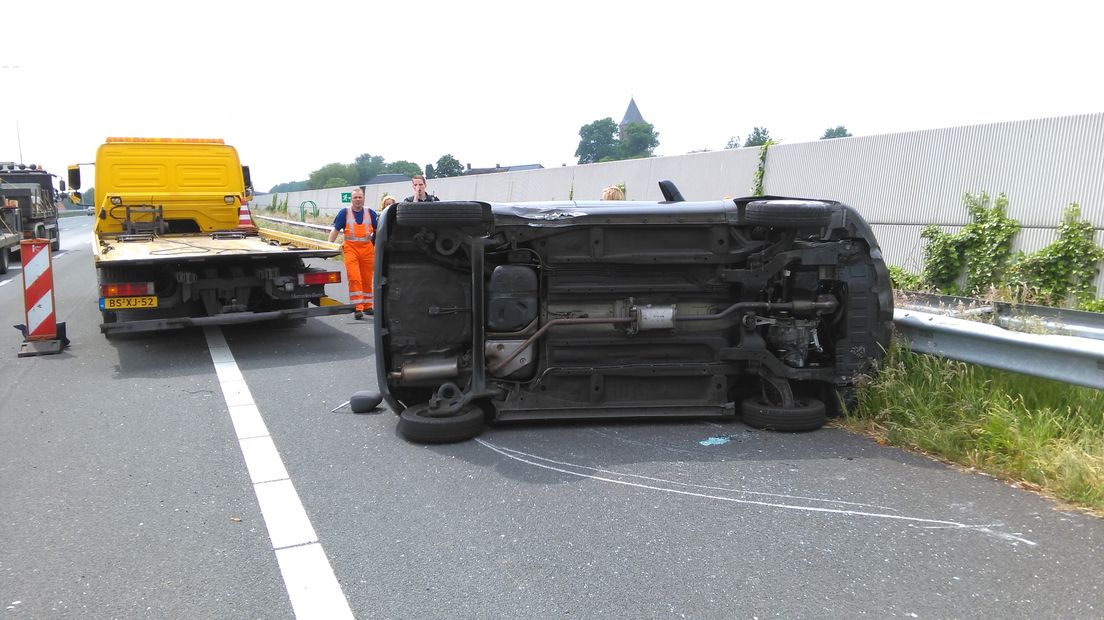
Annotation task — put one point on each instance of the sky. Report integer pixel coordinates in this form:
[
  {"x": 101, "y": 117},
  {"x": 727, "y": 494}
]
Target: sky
[{"x": 295, "y": 86}]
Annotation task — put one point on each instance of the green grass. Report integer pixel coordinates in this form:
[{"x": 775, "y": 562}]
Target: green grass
[{"x": 1047, "y": 435}]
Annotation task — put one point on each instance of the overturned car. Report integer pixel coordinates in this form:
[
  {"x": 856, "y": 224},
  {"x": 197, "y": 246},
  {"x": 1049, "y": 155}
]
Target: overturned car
[{"x": 762, "y": 307}]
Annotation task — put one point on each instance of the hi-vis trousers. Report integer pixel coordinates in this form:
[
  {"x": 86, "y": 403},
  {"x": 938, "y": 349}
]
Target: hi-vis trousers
[{"x": 360, "y": 262}]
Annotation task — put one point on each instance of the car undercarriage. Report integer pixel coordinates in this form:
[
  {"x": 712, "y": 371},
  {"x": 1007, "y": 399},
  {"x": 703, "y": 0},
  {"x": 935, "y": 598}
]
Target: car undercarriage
[{"x": 766, "y": 308}]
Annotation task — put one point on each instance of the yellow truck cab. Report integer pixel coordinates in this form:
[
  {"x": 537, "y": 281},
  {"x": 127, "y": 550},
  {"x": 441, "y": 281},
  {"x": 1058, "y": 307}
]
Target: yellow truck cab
[
  {"x": 183, "y": 185},
  {"x": 175, "y": 245}
]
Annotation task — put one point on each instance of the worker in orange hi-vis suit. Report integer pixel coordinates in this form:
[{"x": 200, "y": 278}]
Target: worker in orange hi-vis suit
[{"x": 359, "y": 227}]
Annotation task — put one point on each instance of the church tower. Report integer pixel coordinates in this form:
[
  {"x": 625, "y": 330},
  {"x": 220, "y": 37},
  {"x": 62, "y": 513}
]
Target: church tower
[{"x": 632, "y": 116}]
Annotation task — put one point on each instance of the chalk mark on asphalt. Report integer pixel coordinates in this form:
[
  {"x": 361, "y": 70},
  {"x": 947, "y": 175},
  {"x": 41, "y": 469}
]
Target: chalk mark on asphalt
[{"x": 559, "y": 466}]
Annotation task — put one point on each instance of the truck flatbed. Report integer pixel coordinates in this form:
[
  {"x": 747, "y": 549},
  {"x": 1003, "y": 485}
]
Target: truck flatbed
[{"x": 149, "y": 249}]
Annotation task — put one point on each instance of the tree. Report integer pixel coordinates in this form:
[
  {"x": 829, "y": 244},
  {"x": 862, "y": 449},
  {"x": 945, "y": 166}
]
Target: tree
[
  {"x": 334, "y": 182},
  {"x": 758, "y": 137},
  {"x": 733, "y": 143},
  {"x": 319, "y": 178},
  {"x": 368, "y": 166},
  {"x": 404, "y": 167},
  {"x": 598, "y": 141},
  {"x": 639, "y": 140},
  {"x": 293, "y": 186},
  {"x": 838, "y": 132},
  {"x": 448, "y": 166}
]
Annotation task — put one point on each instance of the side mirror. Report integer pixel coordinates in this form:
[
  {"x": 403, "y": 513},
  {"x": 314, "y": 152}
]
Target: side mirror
[
  {"x": 74, "y": 178},
  {"x": 61, "y": 185},
  {"x": 75, "y": 197},
  {"x": 248, "y": 182}
]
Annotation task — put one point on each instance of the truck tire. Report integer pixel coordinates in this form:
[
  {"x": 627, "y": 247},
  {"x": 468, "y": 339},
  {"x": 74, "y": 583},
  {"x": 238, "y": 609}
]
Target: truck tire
[
  {"x": 416, "y": 426},
  {"x": 807, "y": 415},
  {"x": 788, "y": 214},
  {"x": 55, "y": 243},
  {"x": 441, "y": 214},
  {"x": 4, "y": 257}
]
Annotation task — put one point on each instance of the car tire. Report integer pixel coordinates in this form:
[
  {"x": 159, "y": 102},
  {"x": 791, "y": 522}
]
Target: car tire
[
  {"x": 764, "y": 213},
  {"x": 415, "y": 425},
  {"x": 441, "y": 214},
  {"x": 808, "y": 414}
]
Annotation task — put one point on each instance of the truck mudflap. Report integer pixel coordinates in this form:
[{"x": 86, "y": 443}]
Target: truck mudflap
[{"x": 229, "y": 318}]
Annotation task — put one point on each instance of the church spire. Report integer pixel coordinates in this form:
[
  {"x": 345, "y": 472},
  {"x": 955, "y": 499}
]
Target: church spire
[{"x": 632, "y": 116}]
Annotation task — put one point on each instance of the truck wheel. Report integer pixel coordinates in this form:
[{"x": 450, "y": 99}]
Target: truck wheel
[
  {"x": 416, "y": 425},
  {"x": 55, "y": 244},
  {"x": 441, "y": 214},
  {"x": 765, "y": 213},
  {"x": 4, "y": 257},
  {"x": 807, "y": 415}
]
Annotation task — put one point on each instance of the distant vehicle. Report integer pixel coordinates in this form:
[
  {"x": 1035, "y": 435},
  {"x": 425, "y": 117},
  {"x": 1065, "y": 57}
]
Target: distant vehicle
[
  {"x": 761, "y": 307},
  {"x": 90, "y": 211},
  {"x": 28, "y": 209}
]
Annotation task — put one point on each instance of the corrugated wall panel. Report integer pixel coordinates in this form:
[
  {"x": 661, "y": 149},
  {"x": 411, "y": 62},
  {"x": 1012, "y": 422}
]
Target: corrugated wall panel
[{"x": 899, "y": 182}]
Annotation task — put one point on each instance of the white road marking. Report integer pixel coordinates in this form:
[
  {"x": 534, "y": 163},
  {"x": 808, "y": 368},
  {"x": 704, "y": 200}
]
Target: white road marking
[
  {"x": 310, "y": 597},
  {"x": 697, "y": 486},
  {"x": 531, "y": 459},
  {"x": 308, "y": 577}
]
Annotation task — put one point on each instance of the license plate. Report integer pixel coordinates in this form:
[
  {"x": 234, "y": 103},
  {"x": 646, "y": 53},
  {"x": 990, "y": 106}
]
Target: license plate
[{"x": 129, "y": 303}]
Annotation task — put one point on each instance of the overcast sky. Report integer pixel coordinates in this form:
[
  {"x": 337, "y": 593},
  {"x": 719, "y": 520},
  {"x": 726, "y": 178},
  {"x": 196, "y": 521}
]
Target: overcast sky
[{"x": 295, "y": 86}]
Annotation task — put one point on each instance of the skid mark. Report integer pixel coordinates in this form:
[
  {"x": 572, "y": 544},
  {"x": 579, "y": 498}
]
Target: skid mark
[
  {"x": 676, "y": 483},
  {"x": 558, "y": 466}
]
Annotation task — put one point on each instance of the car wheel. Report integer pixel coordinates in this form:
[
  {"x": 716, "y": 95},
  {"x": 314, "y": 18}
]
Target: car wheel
[
  {"x": 807, "y": 414},
  {"x": 441, "y": 214},
  {"x": 416, "y": 425},
  {"x": 788, "y": 214}
]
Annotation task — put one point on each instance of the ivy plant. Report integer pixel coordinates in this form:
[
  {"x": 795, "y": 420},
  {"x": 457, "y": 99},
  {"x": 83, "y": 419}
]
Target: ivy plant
[{"x": 1064, "y": 271}]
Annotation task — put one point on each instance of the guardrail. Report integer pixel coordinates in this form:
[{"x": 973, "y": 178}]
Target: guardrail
[
  {"x": 1018, "y": 317},
  {"x": 292, "y": 222},
  {"x": 299, "y": 240},
  {"x": 1070, "y": 359}
]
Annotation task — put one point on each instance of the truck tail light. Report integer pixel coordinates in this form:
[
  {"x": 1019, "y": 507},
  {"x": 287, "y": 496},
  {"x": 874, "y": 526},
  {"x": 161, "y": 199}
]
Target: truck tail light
[
  {"x": 126, "y": 289},
  {"x": 320, "y": 277}
]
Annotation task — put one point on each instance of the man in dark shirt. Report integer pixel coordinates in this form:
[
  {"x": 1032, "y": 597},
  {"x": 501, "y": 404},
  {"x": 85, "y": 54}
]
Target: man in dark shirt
[{"x": 420, "y": 195}]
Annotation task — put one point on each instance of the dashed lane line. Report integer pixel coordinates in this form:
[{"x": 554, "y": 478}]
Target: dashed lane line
[{"x": 311, "y": 583}]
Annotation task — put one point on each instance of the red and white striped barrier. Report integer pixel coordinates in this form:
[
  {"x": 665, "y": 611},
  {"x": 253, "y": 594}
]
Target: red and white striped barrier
[
  {"x": 245, "y": 218},
  {"x": 40, "y": 333}
]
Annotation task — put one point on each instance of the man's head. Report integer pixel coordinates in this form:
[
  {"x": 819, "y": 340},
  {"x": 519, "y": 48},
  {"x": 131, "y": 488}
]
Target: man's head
[
  {"x": 419, "y": 183},
  {"x": 358, "y": 199}
]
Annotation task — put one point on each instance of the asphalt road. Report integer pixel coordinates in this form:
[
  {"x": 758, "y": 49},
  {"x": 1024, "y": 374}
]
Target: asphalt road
[{"x": 161, "y": 476}]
